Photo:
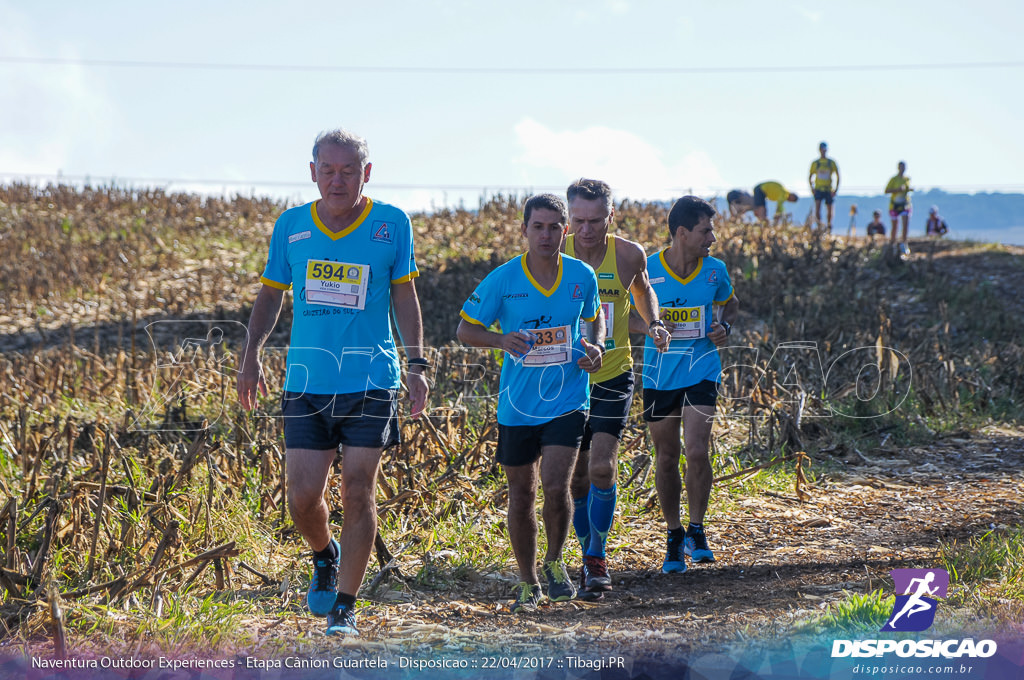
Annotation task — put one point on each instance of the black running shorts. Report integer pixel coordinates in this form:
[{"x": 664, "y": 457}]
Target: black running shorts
[
  {"x": 522, "y": 444},
  {"x": 324, "y": 421}
]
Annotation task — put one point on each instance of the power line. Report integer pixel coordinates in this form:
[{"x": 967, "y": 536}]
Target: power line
[{"x": 511, "y": 70}]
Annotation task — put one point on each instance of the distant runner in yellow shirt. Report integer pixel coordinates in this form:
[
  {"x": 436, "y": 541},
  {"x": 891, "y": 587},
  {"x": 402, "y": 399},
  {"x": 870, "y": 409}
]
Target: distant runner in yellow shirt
[
  {"x": 899, "y": 205},
  {"x": 820, "y": 181},
  {"x": 771, "y": 191}
]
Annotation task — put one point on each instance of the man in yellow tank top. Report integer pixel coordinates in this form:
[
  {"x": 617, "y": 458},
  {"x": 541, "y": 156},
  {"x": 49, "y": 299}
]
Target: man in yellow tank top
[
  {"x": 820, "y": 181},
  {"x": 621, "y": 268}
]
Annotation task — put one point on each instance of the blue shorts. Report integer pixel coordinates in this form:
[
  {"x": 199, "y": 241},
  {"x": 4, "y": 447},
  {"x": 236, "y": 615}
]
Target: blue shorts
[
  {"x": 824, "y": 195},
  {"x": 325, "y": 421},
  {"x": 759, "y": 197},
  {"x": 900, "y": 209},
  {"x": 609, "y": 407},
  {"x": 522, "y": 444},
  {"x": 660, "y": 404}
]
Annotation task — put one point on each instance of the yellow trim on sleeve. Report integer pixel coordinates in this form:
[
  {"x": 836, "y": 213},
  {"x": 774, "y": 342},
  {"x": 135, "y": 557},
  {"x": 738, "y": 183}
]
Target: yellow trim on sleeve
[
  {"x": 591, "y": 319},
  {"x": 274, "y": 284},
  {"x": 347, "y": 230},
  {"x": 691, "y": 277},
  {"x": 407, "y": 278},
  {"x": 470, "y": 319},
  {"x": 726, "y": 300}
]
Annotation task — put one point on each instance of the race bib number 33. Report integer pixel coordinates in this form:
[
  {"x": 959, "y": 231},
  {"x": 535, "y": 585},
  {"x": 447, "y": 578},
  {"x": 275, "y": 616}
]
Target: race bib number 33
[
  {"x": 337, "y": 284},
  {"x": 689, "y": 322},
  {"x": 551, "y": 347}
]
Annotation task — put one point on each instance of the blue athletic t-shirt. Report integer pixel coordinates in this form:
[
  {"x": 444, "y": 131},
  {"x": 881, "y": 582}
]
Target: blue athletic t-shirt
[
  {"x": 691, "y": 357},
  {"x": 546, "y": 382},
  {"x": 341, "y": 333}
]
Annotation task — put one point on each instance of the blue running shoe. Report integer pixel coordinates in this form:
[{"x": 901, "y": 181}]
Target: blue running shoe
[
  {"x": 695, "y": 545},
  {"x": 673, "y": 563},
  {"x": 341, "y": 621},
  {"x": 323, "y": 584}
]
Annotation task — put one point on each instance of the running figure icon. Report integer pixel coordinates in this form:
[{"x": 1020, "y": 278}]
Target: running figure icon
[
  {"x": 914, "y": 610},
  {"x": 916, "y": 602}
]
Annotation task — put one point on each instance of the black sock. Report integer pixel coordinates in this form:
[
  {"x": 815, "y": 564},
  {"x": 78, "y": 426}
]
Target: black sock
[
  {"x": 345, "y": 599},
  {"x": 676, "y": 534},
  {"x": 329, "y": 553},
  {"x": 696, "y": 528}
]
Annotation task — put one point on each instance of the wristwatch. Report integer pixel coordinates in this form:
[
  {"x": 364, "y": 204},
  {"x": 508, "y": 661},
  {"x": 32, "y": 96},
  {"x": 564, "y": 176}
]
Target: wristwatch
[
  {"x": 418, "y": 362},
  {"x": 657, "y": 323},
  {"x": 727, "y": 326}
]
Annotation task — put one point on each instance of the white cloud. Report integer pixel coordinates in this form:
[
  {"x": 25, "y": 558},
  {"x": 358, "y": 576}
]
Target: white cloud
[
  {"x": 62, "y": 105},
  {"x": 812, "y": 15},
  {"x": 633, "y": 167}
]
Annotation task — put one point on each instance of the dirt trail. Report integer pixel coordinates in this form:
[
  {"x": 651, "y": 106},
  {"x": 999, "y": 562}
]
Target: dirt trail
[{"x": 779, "y": 560}]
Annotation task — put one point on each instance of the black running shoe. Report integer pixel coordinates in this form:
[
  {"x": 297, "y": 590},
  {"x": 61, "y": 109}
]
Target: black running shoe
[
  {"x": 528, "y": 598},
  {"x": 595, "y": 571},
  {"x": 560, "y": 587},
  {"x": 581, "y": 590},
  {"x": 341, "y": 621},
  {"x": 673, "y": 563}
]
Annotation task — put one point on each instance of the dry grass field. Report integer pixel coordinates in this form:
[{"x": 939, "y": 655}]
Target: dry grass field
[{"x": 872, "y": 420}]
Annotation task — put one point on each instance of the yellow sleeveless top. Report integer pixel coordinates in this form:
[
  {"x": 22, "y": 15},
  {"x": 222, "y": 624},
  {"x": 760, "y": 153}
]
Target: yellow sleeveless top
[{"x": 615, "y": 303}]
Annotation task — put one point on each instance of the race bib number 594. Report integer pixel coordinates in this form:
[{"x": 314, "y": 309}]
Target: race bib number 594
[{"x": 337, "y": 284}]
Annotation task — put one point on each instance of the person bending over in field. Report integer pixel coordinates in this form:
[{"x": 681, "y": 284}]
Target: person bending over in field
[
  {"x": 771, "y": 191},
  {"x": 621, "y": 267},
  {"x": 540, "y": 299},
  {"x": 681, "y": 385},
  {"x": 739, "y": 202},
  {"x": 351, "y": 259}
]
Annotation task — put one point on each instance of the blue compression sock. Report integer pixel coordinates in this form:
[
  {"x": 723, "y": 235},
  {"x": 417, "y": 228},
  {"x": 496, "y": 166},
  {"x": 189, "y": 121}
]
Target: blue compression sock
[
  {"x": 602, "y": 514},
  {"x": 581, "y": 520}
]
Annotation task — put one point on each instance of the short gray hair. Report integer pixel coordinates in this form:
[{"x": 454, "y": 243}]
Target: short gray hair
[
  {"x": 343, "y": 138},
  {"x": 591, "y": 190}
]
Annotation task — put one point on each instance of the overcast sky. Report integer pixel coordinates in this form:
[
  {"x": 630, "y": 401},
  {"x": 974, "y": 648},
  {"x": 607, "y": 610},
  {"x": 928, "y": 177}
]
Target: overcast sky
[{"x": 657, "y": 98}]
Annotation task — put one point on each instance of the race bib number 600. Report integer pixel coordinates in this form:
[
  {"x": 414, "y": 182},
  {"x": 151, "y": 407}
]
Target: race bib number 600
[
  {"x": 689, "y": 322},
  {"x": 337, "y": 284}
]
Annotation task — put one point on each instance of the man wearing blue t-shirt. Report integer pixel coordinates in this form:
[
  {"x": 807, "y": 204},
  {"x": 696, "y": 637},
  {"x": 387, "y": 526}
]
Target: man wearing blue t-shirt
[
  {"x": 349, "y": 260},
  {"x": 539, "y": 300},
  {"x": 681, "y": 385}
]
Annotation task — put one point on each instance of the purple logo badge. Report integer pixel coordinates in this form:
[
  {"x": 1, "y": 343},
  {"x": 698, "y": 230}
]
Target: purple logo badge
[{"x": 916, "y": 590}]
